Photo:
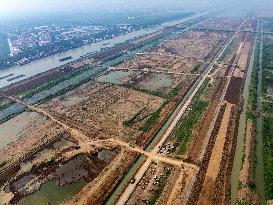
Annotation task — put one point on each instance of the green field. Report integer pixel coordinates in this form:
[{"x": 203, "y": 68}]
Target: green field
[
  {"x": 268, "y": 24},
  {"x": 185, "y": 130},
  {"x": 267, "y": 131},
  {"x": 268, "y": 53},
  {"x": 268, "y": 156},
  {"x": 184, "y": 133}
]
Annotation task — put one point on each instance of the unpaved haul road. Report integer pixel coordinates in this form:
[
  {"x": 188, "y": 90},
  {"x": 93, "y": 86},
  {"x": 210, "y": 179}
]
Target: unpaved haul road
[
  {"x": 86, "y": 142},
  {"x": 81, "y": 138},
  {"x": 153, "y": 156},
  {"x": 138, "y": 176},
  {"x": 217, "y": 111}
]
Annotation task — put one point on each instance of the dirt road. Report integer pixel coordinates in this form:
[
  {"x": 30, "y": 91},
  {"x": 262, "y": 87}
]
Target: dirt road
[
  {"x": 131, "y": 187},
  {"x": 75, "y": 133},
  {"x": 85, "y": 142},
  {"x": 153, "y": 156},
  {"x": 215, "y": 160}
]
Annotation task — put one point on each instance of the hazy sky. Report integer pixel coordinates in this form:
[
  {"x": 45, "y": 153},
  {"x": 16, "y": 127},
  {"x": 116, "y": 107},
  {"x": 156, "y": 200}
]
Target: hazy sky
[
  {"x": 32, "y": 6},
  {"x": 12, "y": 6}
]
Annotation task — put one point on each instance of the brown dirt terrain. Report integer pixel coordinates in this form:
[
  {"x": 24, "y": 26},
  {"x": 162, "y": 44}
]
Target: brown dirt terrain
[
  {"x": 160, "y": 61},
  {"x": 97, "y": 191},
  {"x": 103, "y": 110},
  {"x": 205, "y": 124},
  {"x": 96, "y": 111},
  {"x": 29, "y": 135},
  {"x": 214, "y": 101},
  {"x": 181, "y": 188},
  {"x": 215, "y": 160},
  {"x": 49, "y": 163},
  {"x": 235, "y": 88},
  {"x": 221, "y": 23},
  {"x": 200, "y": 177},
  {"x": 178, "y": 55},
  {"x": 216, "y": 188},
  {"x": 156, "y": 176},
  {"x": 246, "y": 174},
  {"x": 222, "y": 184},
  {"x": 193, "y": 44}
]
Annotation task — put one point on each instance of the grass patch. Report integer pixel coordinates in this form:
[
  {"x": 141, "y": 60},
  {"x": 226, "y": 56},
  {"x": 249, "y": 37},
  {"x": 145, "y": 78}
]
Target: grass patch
[
  {"x": 184, "y": 132},
  {"x": 133, "y": 120},
  {"x": 152, "y": 119},
  {"x": 229, "y": 49},
  {"x": 252, "y": 103},
  {"x": 268, "y": 107},
  {"x": 155, "y": 93},
  {"x": 268, "y": 156},
  {"x": 252, "y": 98},
  {"x": 240, "y": 202},
  {"x": 267, "y": 131},
  {"x": 268, "y": 55},
  {"x": 175, "y": 91},
  {"x": 267, "y": 81},
  {"x": 195, "y": 68}
]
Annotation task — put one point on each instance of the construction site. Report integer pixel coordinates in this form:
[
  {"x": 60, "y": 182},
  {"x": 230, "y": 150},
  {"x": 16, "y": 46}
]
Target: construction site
[{"x": 158, "y": 128}]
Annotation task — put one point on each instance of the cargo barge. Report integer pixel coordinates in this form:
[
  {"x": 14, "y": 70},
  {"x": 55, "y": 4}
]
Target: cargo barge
[
  {"x": 15, "y": 77},
  {"x": 7, "y": 76},
  {"x": 65, "y": 59}
]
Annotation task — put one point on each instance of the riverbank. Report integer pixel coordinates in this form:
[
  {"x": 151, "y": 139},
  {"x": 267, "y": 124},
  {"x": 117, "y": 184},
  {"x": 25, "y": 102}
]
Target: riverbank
[{"x": 51, "y": 62}]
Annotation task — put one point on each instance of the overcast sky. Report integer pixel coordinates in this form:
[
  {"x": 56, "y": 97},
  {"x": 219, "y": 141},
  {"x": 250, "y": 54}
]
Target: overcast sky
[
  {"x": 32, "y": 6},
  {"x": 19, "y": 6}
]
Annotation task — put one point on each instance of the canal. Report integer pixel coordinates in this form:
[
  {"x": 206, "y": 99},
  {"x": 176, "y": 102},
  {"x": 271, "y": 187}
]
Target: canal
[
  {"x": 259, "y": 175},
  {"x": 237, "y": 163}
]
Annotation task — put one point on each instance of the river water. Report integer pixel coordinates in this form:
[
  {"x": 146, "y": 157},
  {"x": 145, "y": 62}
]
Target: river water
[
  {"x": 86, "y": 76},
  {"x": 42, "y": 65}
]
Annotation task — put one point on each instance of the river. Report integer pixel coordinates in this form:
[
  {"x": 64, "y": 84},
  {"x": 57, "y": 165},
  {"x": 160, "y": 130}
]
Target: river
[
  {"x": 79, "y": 79},
  {"x": 42, "y": 65}
]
